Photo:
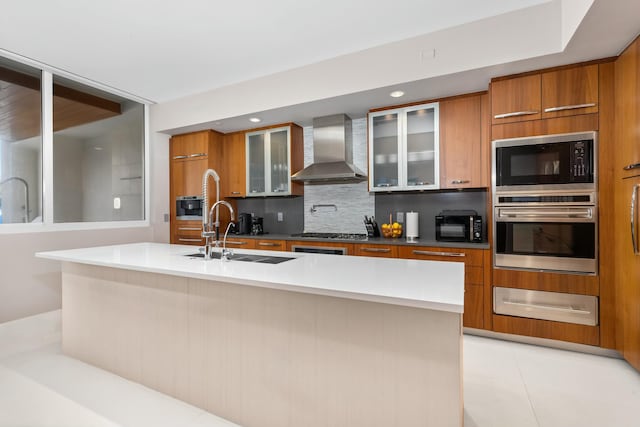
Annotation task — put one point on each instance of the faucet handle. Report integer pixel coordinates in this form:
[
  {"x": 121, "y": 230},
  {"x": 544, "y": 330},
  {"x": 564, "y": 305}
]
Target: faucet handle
[{"x": 226, "y": 253}]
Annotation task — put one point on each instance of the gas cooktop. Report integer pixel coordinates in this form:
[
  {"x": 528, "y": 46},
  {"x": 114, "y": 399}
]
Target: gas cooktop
[{"x": 343, "y": 236}]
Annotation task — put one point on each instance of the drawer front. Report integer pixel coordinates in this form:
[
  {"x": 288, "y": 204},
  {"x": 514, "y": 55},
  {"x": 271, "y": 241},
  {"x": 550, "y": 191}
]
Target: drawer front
[
  {"x": 471, "y": 257},
  {"x": 556, "y": 306},
  {"x": 189, "y": 230},
  {"x": 236, "y": 243},
  {"x": 382, "y": 251},
  {"x": 271, "y": 245},
  {"x": 189, "y": 240}
]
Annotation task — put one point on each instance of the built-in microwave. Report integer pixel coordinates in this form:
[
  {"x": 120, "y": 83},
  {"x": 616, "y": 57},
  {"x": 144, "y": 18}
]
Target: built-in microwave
[{"x": 552, "y": 162}]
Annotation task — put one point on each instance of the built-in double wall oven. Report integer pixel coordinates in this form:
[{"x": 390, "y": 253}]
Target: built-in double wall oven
[
  {"x": 546, "y": 220},
  {"x": 545, "y": 203}
]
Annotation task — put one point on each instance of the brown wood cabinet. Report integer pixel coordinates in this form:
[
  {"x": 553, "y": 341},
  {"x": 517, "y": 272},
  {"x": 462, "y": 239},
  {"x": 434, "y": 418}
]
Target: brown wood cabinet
[
  {"x": 234, "y": 242},
  {"x": 627, "y": 81},
  {"x": 235, "y": 164},
  {"x": 270, "y": 245},
  {"x": 553, "y": 94},
  {"x": 516, "y": 99},
  {"x": 474, "y": 276},
  {"x": 190, "y": 155},
  {"x": 627, "y": 218},
  {"x": 550, "y": 282},
  {"x": 464, "y": 152},
  {"x": 571, "y": 91},
  {"x": 374, "y": 250},
  {"x": 188, "y": 233}
]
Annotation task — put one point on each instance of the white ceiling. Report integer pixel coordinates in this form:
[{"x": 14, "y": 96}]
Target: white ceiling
[{"x": 164, "y": 51}]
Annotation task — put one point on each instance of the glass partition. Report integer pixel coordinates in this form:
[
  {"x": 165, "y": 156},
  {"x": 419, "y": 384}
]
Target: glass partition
[
  {"x": 98, "y": 155},
  {"x": 20, "y": 143}
]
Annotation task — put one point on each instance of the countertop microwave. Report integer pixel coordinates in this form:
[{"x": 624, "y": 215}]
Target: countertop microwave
[{"x": 459, "y": 226}]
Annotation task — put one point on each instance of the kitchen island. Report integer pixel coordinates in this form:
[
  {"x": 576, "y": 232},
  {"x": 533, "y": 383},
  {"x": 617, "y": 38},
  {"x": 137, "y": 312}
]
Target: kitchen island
[{"x": 318, "y": 340}]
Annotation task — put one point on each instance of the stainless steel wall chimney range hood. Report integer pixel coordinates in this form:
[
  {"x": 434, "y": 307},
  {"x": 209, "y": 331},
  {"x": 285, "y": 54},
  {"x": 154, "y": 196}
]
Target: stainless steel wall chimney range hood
[{"x": 332, "y": 153}]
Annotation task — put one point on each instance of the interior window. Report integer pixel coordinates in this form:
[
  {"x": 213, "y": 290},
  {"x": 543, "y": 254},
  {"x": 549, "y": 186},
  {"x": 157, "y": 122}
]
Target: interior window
[
  {"x": 20, "y": 143},
  {"x": 98, "y": 155}
]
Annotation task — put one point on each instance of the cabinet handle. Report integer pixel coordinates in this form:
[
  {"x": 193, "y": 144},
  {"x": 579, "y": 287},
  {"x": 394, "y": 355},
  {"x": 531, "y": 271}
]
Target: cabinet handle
[
  {"x": 460, "y": 181},
  {"x": 450, "y": 254},
  {"x": 634, "y": 238},
  {"x": 197, "y": 154},
  {"x": 235, "y": 192},
  {"x": 514, "y": 114},
  {"x": 179, "y": 157},
  {"x": 562, "y": 309},
  {"x": 235, "y": 242},
  {"x": 632, "y": 166},
  {"x": 189, "y": 240},
  {"x": 378, "y": 250},
  {"x": 269, "y": 244},
  {"x": 568, "y": 107},
  {"x": 190, "y": 228}
]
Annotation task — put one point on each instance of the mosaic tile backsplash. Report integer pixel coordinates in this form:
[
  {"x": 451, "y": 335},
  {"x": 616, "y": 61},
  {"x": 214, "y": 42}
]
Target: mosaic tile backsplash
[{"x": 352, "y": 201}]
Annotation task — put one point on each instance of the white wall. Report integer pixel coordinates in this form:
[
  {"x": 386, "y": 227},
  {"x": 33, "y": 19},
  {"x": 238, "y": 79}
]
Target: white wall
[{"x": 30, "y": 285}]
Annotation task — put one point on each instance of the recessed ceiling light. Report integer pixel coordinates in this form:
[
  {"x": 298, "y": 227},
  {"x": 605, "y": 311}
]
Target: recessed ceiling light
[
  {"x": 255, "y": 120},
  {"x": 396, "y": 93}
]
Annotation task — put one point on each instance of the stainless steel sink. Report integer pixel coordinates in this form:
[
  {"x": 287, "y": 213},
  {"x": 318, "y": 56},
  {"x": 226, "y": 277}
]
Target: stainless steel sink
[{"x": 263, "y": 259}]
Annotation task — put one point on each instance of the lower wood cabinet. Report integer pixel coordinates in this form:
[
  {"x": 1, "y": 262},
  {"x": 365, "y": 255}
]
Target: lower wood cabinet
[
  {"x": 577, "y": 284},
  {"x": 385, "y": 251},
  {"x": 474, "y": 295},
  {"x": 188, "y": 233},
  {"x": 270, "y": 245},
  {"x": 240, "y": 243}
]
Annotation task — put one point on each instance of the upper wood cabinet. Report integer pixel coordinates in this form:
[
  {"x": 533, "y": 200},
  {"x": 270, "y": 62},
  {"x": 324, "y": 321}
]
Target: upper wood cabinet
[
  {"x": 404, "y": 148},
  {"x": 558, "y": 93},
  {"x": 186, "y": 177},
  {"x": 190, "y": 145},
  {"x": 515, "y": 100},
  {"x": 464, "y": 142},
  {"x": 235, "y": 165},
  {"x": 260, "y": 162},
  {"x": 570, "y": 91},
  {"x": 627, "y": 83}
]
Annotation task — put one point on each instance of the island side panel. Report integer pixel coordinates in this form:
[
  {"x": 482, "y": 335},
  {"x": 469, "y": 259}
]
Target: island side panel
[{"x": 263, "y": 357}]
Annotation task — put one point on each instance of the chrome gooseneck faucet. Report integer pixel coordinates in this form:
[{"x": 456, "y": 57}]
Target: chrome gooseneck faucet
[
  {"x": 211, "y": 228},
  {"x": 26, "y": 194},
  {"x": 225, "y": 253}
]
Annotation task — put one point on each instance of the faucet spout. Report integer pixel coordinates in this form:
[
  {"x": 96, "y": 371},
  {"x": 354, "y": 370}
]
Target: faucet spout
[{"x": 207, "y": 249}]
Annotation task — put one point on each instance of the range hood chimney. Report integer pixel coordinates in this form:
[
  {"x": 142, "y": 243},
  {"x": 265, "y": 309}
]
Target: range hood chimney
[{"x": 332, "y": 153}]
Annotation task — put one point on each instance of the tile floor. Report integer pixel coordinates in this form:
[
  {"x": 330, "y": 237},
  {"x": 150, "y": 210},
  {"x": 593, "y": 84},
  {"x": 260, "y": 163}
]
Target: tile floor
[{"x": 505, "y": 384}]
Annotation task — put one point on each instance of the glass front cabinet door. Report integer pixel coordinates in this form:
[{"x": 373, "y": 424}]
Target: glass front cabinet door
[
  {"x": 268, "y": 162},
  {"x": 404, "y": 149}
]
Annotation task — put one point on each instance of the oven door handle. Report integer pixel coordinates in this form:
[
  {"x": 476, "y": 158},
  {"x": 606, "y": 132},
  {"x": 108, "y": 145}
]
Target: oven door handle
[{"x": 586, "y": 213}]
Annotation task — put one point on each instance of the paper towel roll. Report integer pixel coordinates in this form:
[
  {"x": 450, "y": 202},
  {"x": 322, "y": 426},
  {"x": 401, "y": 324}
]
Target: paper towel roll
[{"x": 411, "y": 226}]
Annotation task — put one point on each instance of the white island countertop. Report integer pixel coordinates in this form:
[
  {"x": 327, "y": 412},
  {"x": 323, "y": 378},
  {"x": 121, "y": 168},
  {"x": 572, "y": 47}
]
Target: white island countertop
[{"x": 433, "y": 285}]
